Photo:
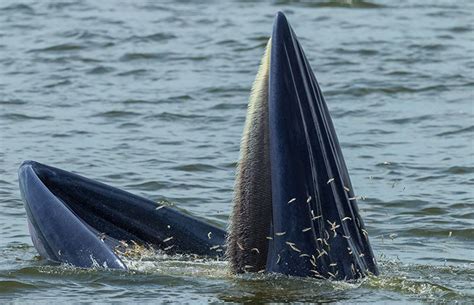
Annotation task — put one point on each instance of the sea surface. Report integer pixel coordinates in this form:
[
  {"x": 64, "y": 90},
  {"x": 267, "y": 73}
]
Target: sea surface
[{"x": 150, "y": 97}]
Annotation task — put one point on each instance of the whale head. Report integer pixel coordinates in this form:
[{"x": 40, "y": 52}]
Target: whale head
[{"x": 295, "y": 211}]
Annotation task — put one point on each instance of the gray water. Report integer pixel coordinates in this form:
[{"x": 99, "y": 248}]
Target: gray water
[{"x": 151, "y": 96}]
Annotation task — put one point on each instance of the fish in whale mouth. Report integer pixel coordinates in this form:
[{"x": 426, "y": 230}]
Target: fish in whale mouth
[{"x": 294, "y": 208}]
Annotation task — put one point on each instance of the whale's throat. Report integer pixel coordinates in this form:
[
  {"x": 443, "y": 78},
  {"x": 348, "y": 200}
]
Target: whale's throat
[{"x": 247, "y": 243}]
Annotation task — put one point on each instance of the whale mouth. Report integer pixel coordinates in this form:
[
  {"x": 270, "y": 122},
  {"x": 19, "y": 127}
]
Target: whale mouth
[{"x": 295, "y": 211}]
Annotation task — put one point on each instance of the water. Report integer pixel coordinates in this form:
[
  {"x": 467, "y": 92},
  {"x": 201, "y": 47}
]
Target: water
[{"x": 151, "y": 97}]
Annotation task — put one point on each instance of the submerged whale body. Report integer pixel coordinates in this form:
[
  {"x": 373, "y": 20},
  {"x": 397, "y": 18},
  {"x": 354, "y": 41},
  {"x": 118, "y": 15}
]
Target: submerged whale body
[{"x": 295, "y": 211}]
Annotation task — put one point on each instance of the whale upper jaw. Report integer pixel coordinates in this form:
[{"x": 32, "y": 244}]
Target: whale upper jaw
[
  {"x": 309, "y": 224},
  {"x": 56, "y": 231},
  {"x": 86, "y": 223}
]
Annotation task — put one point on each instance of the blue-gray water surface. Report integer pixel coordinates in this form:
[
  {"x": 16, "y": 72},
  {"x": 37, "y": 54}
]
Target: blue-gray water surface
[{"x": 150, "y": 96}]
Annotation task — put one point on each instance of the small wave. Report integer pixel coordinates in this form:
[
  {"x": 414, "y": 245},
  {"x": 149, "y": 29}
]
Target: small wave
[
  {"x": 148, "y": 186},
  {"x": 134, "y": 72},
  {"x": 118, "y": 176},
  {"x": 198, "y": 167},
  {"x": 60, "y": 135},
  {"x": 67, "y": 59},
  {"x": 151, "y": 38},
  {"x": 275, "y": 288},
  {"x": 63, "y": 5},
  {"x": 227, "y": 91},
  {"x": 136, "y": 102},
  {"x": 422, "y": 289},
  {"x": 469, "y": 130},
  {"x": 130, "y": 125},
  {"x": 421, "y": 282},
  {"x": 429, "y": 47},
  {"x": 152, "y": 6},
  {"x": 228, "y": 106},
  {"x": 9, "y": 286},
  {"x": 430, "y": 178},
  {"x": 338, "y": 62},
  {"x": 399, "y": 73},
  {"x": 23, "y": 8},
  {"x": 361, "y": 145},
  {"x": 430, "y": 211},
  {"x": 250, "y": 48},
  {"x": 4, "y": 182},
  {"x": 58, "y": 84},
  {"x": 100, "y": 70},
  {"x": 192, "y": 58},
  {"x": 65, "y": 47},
  {"x": 389, "y": 164},
  {"x": 230, "y": 42},
  {"x": 80, "y": 132},
  {"x": 260, "y": 38},
  {"x": 144, "y": 56},
  {"x": 362, "y": 91},
  {"x": 340, "y": 113},
  {"x": 378, "y": 131},
  {"x": 84, "y": 34},
  {"x": 168, "y": 116},
  {"x": 459, "y": 170},
  {"x": 365, "y": 52},
  {"x": 415, "y": 119},
  {"x": 399, "y": 204},
  {"x": 461, "y": 29},
  {"x": 116, "y": 114},
  {"x": 24, "y": 117},
  {"x": 462, "y": 234},
  {"x": 165, "y": 142},
  {"x": 12, "y": 102}
]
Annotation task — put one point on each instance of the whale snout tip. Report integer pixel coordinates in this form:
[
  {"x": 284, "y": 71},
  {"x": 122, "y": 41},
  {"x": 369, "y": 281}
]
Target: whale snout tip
[
  {"x": 24, "y": 166},
  {"x": 27, "y": 163},
  {"x": 280, "y": 19},
  {"x": 280, "y": 14}
]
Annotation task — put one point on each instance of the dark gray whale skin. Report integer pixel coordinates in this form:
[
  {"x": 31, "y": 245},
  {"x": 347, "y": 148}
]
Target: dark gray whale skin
[
  {"x": 82, "y": 222},
  {"x": 313, "y": 229},
  {"x": 324, "y": 233}
]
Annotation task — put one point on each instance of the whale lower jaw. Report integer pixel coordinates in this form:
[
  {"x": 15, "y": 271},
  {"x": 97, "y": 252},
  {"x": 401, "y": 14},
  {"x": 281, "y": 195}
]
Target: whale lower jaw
[{"x": 294, "y": 211}]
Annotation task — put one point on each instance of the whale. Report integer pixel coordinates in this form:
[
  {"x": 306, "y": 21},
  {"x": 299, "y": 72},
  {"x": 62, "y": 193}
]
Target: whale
[{"x": 294, "y": 212}]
